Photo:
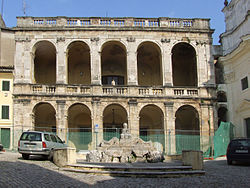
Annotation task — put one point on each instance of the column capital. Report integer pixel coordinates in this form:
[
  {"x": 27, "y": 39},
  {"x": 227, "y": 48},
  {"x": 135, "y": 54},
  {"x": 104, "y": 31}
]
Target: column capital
[
  {"x": 132, "y": 102},
  {"x": 61, "y": 102},
  {"x": 168, "y": 104}
]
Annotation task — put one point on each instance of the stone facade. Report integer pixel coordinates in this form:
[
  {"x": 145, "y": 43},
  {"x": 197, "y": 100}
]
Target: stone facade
[
  {"x": 7, "y": 51},
  {"x": 145, "y": 58},
  {"x": 235, "y": 62}
]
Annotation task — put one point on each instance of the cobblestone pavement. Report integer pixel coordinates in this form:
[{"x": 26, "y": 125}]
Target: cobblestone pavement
[{"x": 36, "y": 172}]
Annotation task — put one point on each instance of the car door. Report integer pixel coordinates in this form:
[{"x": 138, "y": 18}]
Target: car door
[
  {"x": 54, "y": 141},
  {"x": 60, "y": 143}
]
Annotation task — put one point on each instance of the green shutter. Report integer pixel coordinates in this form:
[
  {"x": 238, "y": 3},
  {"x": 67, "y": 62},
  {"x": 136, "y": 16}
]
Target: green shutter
[
  {"x": 5, "y": 85},
  {"x": 5, "y": 112}
]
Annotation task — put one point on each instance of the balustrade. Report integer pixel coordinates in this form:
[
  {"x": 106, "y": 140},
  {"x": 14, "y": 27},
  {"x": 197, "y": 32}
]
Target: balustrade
[
  {"x": 85, "y": 90},
  {"x": 116, "y": 90},
  {"x": 50, "y": 89},
  {"x": 111, "y": 22}
]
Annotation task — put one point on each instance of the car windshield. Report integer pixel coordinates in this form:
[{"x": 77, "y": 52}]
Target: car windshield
[
  {"x": 31, "y": 136},
  {"x": 241, "y": 143}
]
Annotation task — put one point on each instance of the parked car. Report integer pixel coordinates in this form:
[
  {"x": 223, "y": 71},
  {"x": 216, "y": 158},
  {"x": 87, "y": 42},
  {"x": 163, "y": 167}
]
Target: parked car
[
  {"x": 39, "y": 143},
  {"x": 238, "y": 150},
  {"x": 1, "y": 147}
]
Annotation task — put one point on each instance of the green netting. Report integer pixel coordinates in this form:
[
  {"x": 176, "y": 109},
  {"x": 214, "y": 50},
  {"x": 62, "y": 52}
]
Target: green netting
[
  {"x": 222, "y": 137},
  {"x": 80, "y": 139},
  {"x": 160, "y": 138},
  {"x": 187, "y": 142},
  {"x": 108, "y": 135}
]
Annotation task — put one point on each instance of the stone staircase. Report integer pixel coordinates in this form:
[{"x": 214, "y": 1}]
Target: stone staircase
[{"x": 146, "y": 170}]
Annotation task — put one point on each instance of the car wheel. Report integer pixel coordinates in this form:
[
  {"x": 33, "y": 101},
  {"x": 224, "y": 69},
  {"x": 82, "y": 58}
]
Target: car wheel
[
  {"x": 51, "y": 154},
  {"x": 25, "y": 156},
  {"x": 229, "y": 162}
]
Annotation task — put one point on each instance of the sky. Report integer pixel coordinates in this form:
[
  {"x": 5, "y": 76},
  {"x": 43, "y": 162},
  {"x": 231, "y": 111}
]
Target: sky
[{"x": 118, "y": 8}]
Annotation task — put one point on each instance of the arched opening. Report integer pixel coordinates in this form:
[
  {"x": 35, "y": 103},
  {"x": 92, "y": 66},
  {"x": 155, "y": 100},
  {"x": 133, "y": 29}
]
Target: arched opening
[
  {"x": 44, "y": 63},
  {"x": 79, "y": 63},
  {"x": 184, "y": 65},
  {"x": 152, "y": 125},
  {"x": 187, "y": 129},
  {"x": 80, "y": 126},
  {"x": 114, "y": 63},
  {"x": 149, "y": 65},
  {"x": 222, "y": 115},
  {"x": 221, "y": 96},
  {"x": 44, "y": 117},
  {"x": 114, "y": 116}
]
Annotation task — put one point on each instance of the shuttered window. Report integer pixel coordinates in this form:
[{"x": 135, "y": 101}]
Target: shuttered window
[
  {"x": 5, "y": 85},
  {"x": 5, "y": 112},
  {"x": 244, "y": 83}
]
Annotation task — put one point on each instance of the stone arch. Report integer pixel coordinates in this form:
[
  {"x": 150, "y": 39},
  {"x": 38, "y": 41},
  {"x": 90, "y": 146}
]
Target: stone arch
[
  {"x": 44, "y": 62},
  {"x": 78, "y": 57},
  {"x": 149, "y": 64},
  {"x": 222, "y": 114},
  {"x": 44, "y": 117},
  {"x": 79, "y": 126},
  {"x": 151, "y": 124},
  {"x": 187, "y": 129},
  {"x": 184, "y": 65},
  {"x": 221, "y": 96},
  {"x": 114, "y": 63},
  {"x": 187, "y": 120},
  {"x": 114, "y": 115}
]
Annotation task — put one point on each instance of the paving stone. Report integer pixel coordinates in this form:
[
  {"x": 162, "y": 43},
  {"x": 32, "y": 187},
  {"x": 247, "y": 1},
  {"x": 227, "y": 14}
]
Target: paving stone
[{"x": 37, "y": 172}]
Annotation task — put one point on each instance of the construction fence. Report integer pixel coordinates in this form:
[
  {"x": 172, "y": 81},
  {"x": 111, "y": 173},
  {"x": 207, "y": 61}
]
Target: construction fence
[{"x": 171, "y": 142}]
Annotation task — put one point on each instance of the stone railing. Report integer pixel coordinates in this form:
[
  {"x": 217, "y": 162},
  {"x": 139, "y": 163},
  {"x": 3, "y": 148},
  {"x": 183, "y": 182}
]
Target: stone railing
[
  {"x": 162, "y": 22},
  {"x": 185, "y": 92},
  {"x": 38, "y": 89}
]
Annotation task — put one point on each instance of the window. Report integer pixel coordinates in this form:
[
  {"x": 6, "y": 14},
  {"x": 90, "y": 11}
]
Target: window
[
  {"x": 5, "y": 85},
  {"x": 118, "y": 80},
  {"x": 47, "y": 137},
  {"x": 53, "y": 138},
  {"x": 59, "y": 140},
  {"x": 244, "y": 83},
  {"x": 31, "y": 136},
  {"x": 5, "y": 112}
]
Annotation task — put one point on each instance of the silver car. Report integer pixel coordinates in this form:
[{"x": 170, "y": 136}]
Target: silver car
[{"x": 39, "y": 143}]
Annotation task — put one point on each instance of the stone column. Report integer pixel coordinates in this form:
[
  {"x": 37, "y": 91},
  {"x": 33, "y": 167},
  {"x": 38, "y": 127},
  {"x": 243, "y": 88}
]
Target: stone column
[
  {"x": 210, "y": 65},
  {"x": 95, "y": 59},
  {"x": 19, "y": 64},
  {"x": 201, "y": 65},
  {"x": 23, "y": 118},
  {"x": 97, "y": 123},
  {"x": 132, "y": 62},
  {"x": 205, "y": 127},
  {"x": 169, "y": 128},
  {"x": 61, "y": 121},
  {"x": 166, "y": 63},
  {"x": 61, "y": 62},
  {"x": 23, "y": 62},
  {"x": 133, "y": 118}
]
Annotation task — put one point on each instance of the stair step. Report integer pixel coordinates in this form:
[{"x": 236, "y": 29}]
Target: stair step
[
  {"x": 129, "y": 168},
  {"x": 148, "y": 174}
]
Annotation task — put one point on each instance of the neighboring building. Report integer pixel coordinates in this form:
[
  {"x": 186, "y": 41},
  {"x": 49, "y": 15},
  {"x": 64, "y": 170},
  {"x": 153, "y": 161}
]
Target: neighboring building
[
  {"x": 7, "y": 51},
  {"x": 73, "y": 75},
  {"x": 236, "y": 65}
]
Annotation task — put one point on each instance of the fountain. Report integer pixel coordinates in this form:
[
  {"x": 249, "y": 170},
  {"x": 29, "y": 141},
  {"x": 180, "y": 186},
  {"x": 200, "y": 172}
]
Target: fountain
[{"x": 127, "y": 149}]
